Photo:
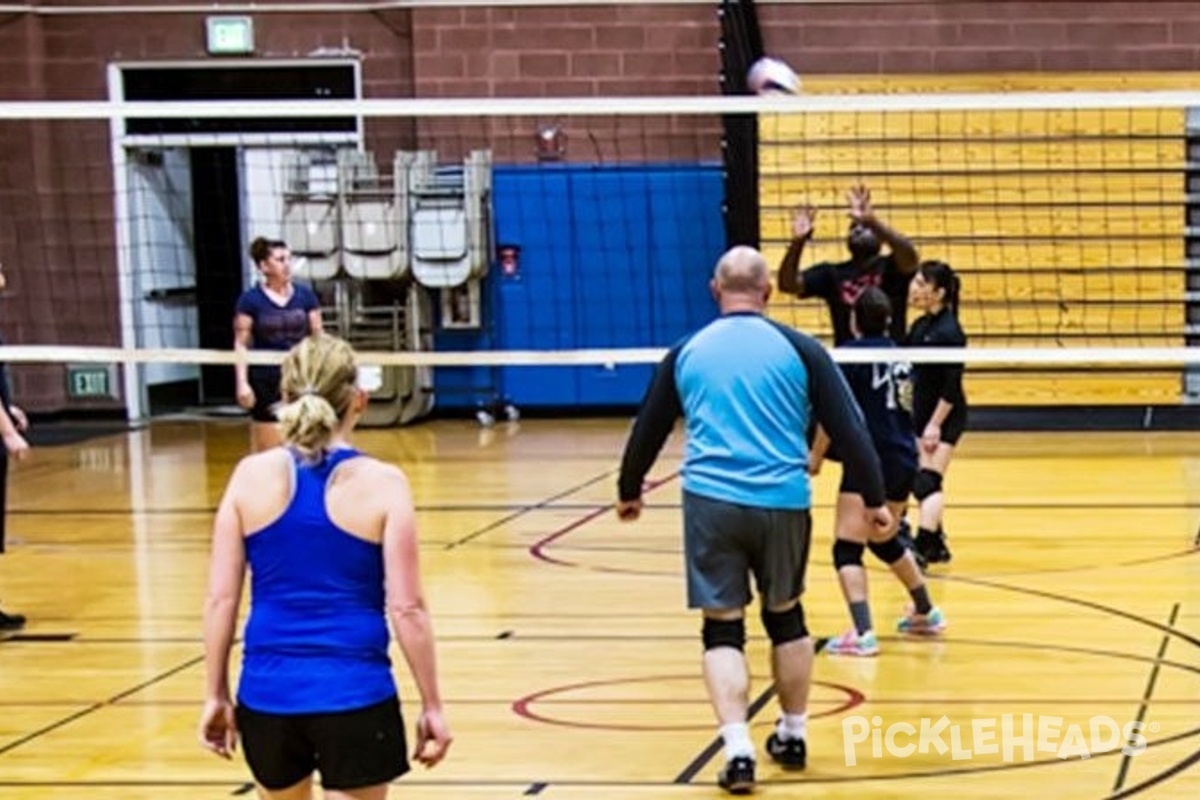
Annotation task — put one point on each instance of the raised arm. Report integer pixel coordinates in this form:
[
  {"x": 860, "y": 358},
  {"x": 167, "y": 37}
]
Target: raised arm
[
  {"x": 410, "y": 615},
  {"x": 791, "y": 278},
  {"x": 903, "y": 251}
]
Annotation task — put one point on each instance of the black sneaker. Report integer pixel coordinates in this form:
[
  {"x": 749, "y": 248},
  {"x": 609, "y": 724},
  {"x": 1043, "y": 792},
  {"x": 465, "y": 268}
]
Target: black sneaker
[
  {"x": 941, "y": 553},
  {"x": 931, "y": 548},
  {"x": 787, "y": 753},
  {"x": 737, "y": 776},
  {"x": 11, "y": 622}
]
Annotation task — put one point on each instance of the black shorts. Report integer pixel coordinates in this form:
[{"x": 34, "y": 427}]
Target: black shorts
[
  {"x": 265, "y": 383},
  {"x": 899, "y": 470},
  {"x": 725, "y": 542},
  {"x": 351, "y": 749},
  {"x": 952, "y": 429}
]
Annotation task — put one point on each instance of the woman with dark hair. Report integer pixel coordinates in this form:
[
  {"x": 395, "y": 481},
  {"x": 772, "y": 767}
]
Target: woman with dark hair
[
  {"x": 273, "y": 315},
  {"x": 939, "y": 406},
  {"x": 878, "y": 388}
]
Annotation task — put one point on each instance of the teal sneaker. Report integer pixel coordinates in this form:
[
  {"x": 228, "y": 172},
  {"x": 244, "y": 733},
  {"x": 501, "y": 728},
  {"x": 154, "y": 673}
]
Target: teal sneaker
[
  {"x": 851, "y": 644},
  {"x": 930, "y": 624}
]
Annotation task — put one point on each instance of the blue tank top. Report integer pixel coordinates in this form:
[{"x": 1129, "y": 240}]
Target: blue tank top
[{"x": 317, "y": 639}]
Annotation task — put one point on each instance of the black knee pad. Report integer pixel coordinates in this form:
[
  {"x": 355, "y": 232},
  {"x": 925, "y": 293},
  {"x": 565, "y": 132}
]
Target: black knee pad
[
  {"x": 724, "y": 633},
  {"x": 888, "y": 552},
  {"x": 847, "y": 554},
  {"x": 926, "y": 483},
  {"x": 785, "y": 626}
]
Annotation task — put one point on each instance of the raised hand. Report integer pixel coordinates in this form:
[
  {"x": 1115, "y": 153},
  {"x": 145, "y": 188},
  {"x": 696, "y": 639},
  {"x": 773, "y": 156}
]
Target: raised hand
[
  {"x": 859, "y": 198},
  {"x": 803, "y": 221}
]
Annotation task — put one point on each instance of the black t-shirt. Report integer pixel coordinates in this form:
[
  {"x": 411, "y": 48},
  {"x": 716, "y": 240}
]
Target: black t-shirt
[{"x": 839, "y": 285}]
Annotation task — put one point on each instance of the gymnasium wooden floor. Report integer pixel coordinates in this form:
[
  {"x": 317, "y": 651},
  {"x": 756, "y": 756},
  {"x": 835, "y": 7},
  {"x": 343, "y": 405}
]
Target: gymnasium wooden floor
[{"x": 569, "y": 663}]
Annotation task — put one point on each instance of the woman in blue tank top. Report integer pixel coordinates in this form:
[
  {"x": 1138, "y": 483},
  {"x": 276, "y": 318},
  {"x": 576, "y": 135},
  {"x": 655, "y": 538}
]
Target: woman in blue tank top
[{"x": 330, "y": 539}]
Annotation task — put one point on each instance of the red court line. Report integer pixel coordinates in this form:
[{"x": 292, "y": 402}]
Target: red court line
[
  {"x": 538, "y": 548},
  {"x": 523, "y": 706}
]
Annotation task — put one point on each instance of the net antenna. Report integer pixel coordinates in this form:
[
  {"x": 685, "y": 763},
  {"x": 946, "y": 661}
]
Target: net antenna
[{"x": 741, "y": 45}]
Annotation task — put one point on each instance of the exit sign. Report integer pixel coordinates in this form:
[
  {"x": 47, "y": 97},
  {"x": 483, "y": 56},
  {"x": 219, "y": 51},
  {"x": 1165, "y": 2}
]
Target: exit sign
[
  {"x": 90, "y": 381},
  {"x": 229, "y": 36}
]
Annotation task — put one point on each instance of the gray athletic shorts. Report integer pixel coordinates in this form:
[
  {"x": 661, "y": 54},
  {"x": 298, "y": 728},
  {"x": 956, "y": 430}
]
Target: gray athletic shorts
[{"x": 724, "y": 542}]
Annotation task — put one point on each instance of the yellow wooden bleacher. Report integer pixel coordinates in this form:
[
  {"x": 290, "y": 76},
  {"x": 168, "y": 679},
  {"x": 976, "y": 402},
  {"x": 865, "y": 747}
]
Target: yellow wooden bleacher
[{"x": 1067, "y": 227}]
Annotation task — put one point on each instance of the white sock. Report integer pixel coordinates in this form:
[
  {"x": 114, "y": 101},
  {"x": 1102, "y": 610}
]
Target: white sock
[
  {"x": 737, "y": 740},
  {"x": 792, "y": 726}
]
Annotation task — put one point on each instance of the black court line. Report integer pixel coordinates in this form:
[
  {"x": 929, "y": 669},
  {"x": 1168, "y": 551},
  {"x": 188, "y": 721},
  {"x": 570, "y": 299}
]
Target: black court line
[
  {"x": 523, "y": 507},
  {"x": 782, "y": 782},
  {"x": 1154, "y": 780},
  {"x": 1062, "y": 598},
  {"x": 523, "y": 510},
  {"x": 584, "y": 783},
  {"x": 1123, "y": 769},
  {"x": 53, "y": 726},
  {"x": 708, "y": 753},
  {"x": 134, "y": 512},
  {"x": 1031, "y": 505},
  {"x": 109, "y": 512},
  {"x": 41, "y": 637}
]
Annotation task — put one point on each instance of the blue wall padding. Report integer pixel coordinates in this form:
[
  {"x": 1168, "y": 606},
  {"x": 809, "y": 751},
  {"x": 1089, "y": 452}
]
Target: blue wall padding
[{"x": 610, "y": 257}]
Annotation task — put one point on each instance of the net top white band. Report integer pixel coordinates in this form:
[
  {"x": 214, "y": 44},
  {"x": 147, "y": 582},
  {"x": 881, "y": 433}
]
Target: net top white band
[
  {"x": 1006, "y": 356},
  {"x": 609, "y": 106}
]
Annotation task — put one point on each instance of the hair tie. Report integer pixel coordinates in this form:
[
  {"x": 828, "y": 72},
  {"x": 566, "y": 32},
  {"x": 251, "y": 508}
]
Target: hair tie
[{"x": 308, "y": 391}]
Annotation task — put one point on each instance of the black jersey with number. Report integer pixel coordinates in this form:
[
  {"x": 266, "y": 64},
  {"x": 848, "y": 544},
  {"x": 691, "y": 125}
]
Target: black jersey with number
[
  {"x": 879, "y": 388},
  {"x": 933, "y": 382}
]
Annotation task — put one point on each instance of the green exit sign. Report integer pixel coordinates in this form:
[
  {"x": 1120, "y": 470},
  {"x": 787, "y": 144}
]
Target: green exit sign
[
  {"x": 229, "y": 36},
  {"x": 90, "y": 381}
]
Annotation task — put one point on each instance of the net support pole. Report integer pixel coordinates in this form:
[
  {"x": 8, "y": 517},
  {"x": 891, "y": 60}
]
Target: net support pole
[{"x": 740, "y": 46}]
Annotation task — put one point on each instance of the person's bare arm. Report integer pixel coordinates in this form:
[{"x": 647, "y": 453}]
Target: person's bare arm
[
  {"x": 903, "y": 250},
  {"x": 227, "y": 569},
  {"x": 791, "y": 278},
  {"x": 410, "y": 615},
  {"x": 243, "y": 337},
  {"x": 816, "y": 455}
]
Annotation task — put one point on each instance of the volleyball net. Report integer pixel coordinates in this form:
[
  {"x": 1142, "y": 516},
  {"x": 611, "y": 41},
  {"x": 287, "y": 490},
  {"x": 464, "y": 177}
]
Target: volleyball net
[{"x": 548, "y": 251}]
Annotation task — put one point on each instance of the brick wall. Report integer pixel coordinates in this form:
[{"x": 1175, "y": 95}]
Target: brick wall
[
  {"x": 1041, "y": 35},
  {"x": 57, "y": 223},
  {"x": 562, "y": 50}
]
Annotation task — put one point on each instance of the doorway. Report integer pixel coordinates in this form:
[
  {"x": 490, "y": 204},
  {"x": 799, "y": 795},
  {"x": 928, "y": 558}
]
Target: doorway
[{"x": 191, "y": 196}]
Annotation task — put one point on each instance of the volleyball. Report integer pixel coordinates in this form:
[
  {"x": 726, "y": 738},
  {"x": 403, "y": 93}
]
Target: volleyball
[{"x": 772, "y": 76}]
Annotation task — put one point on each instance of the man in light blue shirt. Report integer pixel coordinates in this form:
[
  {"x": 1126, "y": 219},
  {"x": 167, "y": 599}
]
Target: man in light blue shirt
[{"x": 749, "y": 391}]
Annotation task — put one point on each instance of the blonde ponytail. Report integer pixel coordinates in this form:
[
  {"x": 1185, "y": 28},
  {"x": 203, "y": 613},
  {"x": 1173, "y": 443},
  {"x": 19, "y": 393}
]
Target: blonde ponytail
[{"x": 318, "y": 387}]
